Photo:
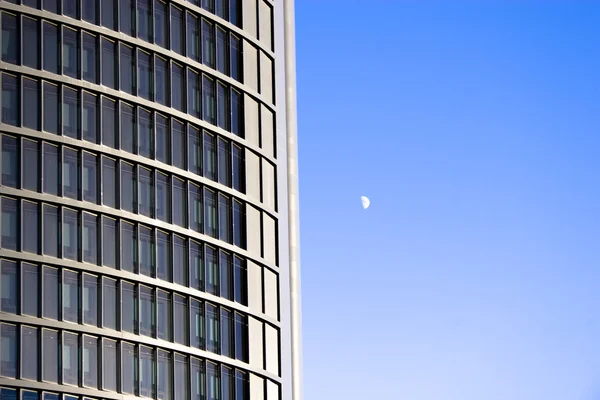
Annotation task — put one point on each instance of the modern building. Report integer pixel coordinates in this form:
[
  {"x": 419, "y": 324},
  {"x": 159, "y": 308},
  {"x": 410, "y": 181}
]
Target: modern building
[{"x": 149, "y": 208}]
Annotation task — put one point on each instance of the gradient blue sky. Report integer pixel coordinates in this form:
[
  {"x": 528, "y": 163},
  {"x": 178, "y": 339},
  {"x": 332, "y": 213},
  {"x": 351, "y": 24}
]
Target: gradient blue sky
[{"x": 474, "y": 127}]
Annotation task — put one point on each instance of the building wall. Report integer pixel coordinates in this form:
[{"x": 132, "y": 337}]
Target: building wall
[{"x": 142, "y": 201}]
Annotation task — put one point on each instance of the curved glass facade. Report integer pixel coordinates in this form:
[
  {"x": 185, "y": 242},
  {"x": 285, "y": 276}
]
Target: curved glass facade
[{"x": 139, "y": 206}]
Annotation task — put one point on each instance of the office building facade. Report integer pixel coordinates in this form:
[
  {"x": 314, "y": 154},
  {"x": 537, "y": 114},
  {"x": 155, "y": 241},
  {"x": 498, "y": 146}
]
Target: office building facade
[{"x": 148, "y": 200}]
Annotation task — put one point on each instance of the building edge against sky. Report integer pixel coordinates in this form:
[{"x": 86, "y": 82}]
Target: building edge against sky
[{"x": 149, "y": 200}]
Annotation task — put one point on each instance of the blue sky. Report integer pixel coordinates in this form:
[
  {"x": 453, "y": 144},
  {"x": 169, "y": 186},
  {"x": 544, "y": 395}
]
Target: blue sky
[{"x": 474, "y": 127}]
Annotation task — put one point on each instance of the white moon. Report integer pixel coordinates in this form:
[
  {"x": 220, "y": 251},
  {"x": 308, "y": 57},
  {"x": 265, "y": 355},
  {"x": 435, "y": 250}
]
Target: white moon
[{"x": 365, "y": 202}]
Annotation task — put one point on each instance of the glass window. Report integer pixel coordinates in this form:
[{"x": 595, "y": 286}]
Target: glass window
[
  {"x": 146, "y": 311},
  {"x": 109, "y": 365},
  {"x": 194, "y": 150},
  {"x": 222, "y": 49},
  {"x": 144, "y": 74},
  {"x": 9, "y": 287},
  {"x": 238, "y": 168},
  {"x": 227, "y": 381},
  {"x": 147, "y": 372},
  {"x": 109, "y": 122},
  {"x": 182, "y": 382},
  {"x": 210, "y": 157},
  {"x": 160, "y": 23},
  {"x": 127, "y": 69},
  {"x": 164, "y": 316},
  {"x": 69, "y": 8},
  {"x": 31, "y": 226},
  {"x": 212, "y": 328},
  {"x": 227, "y": 333},
  {"x": 109, "y": 303},
  {"x": 146, "y": 194},
  {"x": 31, "y": 282},
  {"x": 234, "y": 13},
  {"x": 31, "y": 168},
  {"x": 198, "y": 379},
  {"x": 128, "y": 187},
  {"x": 10, "y": 161},
  {"x": 164, "y": 375},
  {"x": 237, "y": 114},
  {"x": 89, "y": 58},
  {"x": 88, "y": 11},
  {"x": 145, "y": 134},
  {"x": 128, "y": 247},
  {"x": 50, "y": 177},
  {"x": 10, "y": 38},
  {"x": 129, "y": 310},
  {"x": 209, "y": 5},
  {"x": 90, "y": 361},
  {"x": 177, "y": 89},
  {"x": 89, "y": 117},
  {"x": 109, "y": 51},
  {"x": 241, "y": 337},
  {"x": 51, "y": 40},
  {"x": 50, "y": 108},
  {"x": 109, "y": 242},
  {"x": 108, "y": 10},
  {"x": 196, "y": 210},
  {"x": 163, "y": 256},
  {"x": 194, "y": 94},
  {"x": 90, "y": 238},
  {"x": 180, "y": 261},
  {"x": 236, "y": 58},
  {"x": 163, "y": 197},
  {"x": 163, "y": 149},
  {"x": 193, "y": 37},
  {"x": 224, "y": 163},
  {"x": 70, "y": 296},
  {"x": 70, "y": 112},
  {"x": 146, "y": 252},
  {"x": 242, "y": 391},
  {"x": 223, "y": 9},
  {"x": 50, "y": 355},
  {"x": 29, "y": 353},
  {"x": 208, "y": 100},
  {"x": 70, "y": 234},
  {"x": 127, "y": 13},
  {"x": 31, "y": 100},
  {"x": 89, "y": 178},
  {"x": 197, "y": 322},
  {"x": 10, "y": 100},
  {"x": 240, "y": 277},
  {"x": 51, "y": 293},
  {"x": 70, "y": 172},
  {"x": 212, "y": 271},
  {"x": 178, "y": 144},
  {"x": 70, "y": 359},
  {"x": 26, "y": 394},
  {"x": 51, "y": 230},
  {"x": 179, "y": 206},
  {"x": 90, "y": 299},
  {"x": 208, "y": 43},
  {"x": 226, "y": 276},
  {"x": 162, "y": 80},
  {"x": 223, "y": 106},
  {"x": 180, "y": 320},
  {"x": 70, "y": 52},
  {"x": 31, "y": 36},
  {"x": 10, "y": 224},
  {"x": 196, "y": 265},
  {"x": 129, "y": 368},
  {"x": 177, "y": 30},
  {"x": 144, "y": 20},
  {"x": 109, "y": 182},
  {"x": 213, "y": 382},
  {"x": 210, "y": 213}
]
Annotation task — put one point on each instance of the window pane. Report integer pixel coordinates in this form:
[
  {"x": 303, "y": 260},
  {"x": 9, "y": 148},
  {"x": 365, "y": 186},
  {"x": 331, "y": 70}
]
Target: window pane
[
  {"x": 178, "y": 145},
  {"x": 177, "y": 30},
  {"x": 193, "y": 37},
  {"x": 127, "y": 12},
  {"x": 69, "y": 8},
  {"x": 212, "y": 328},
  {"x": 198, "y": 380},
  {"x": 196, "y": 210},
  {"x": 128, "y": 247},
  {"x": 180, "y": 261},
  {"x": 144, "y": 20},
  {"x": 70, "y": 112},
  {"x": 236, "y": 114},
  {"x": 88, "y": 11},
  {"x": 238, "y": 168},
  {"x": 210, "y": 213},
  {"x": 212, "y": 271},
  {"x": 51, "y": 231},
  {"x": 109, "y": 181},
  {"x": 109, "y": 303},
  {"x": 10, "y": 161},
  {"x": 29, "y": 395},
  {"x": 164, "y": 375},
  {"x": 182, "y": 383},
  {"x": 29, "y": 353},
  {"x": 163, "y": 257},
  {"x": 31, "y": 36},
  {"x": 197, "y": 323},
  {"x": 31, "y": 227},
  {"x": 9, "y": 287},
  {"x": 226, "y": 333},
  {"x": 70, "y": 173},
  {"x": 109, "y": 242},
  {"x": 227, "y": 381},
  {"x": 90, "y": 239},
  {"x": 10, "y": 100},
  {"x": 194, "y": 150},
  {"x": 161, "y": 82},
  {"x": 147, "y": 372},
  {"x": 213, "y": 382},
  {"x": 179, "y": 206},
  {"x": 70, "y": 52},
  {"x": 224, "y": 163},
  {"x": 209, "y": 5},
  {"x": 50, "y": 169},
  {"x": 50, "y": 288},
  {"x": 70, "y": 237},
  {"x": 145, "y": 136},
  {"x": 109, "y": 122},
  {"x": 223, "y": 106},
  {"x": 223, "y": 9},
  {"x": 50, "y": 355},
  {"x": 177, "y": 90},
  {"x": 31, "y": 101},
  {"x": 10, "y": 224},
  {"x": 10, "y": 39},
  {"x": 90, "y": 362},
  {"x": 234, "y": 14},
  {"x": 240, "y": 281},
  {"x": 31, "y": 281},
  {"x": 128, "y": 187},
  {"x": 162, "y": 139},
  {"x": 241, "y": 337},
  {"x": 89, "y": 58},
  {"x": 180, "y": 319},
  {"x": 144, "y": 74},
  {"x": 89, "y": 118},
  {"x": 222, "y": 50},
  {"x": 51, "y": 47},
  {"x": 70, "y": 359},
  {"x": 236, "y": 58},
  {"x": 210, "y": 158},
  {"x": 109, "y": 365},
  {"x": 242, "y": 391},
  {"x": 160, "y": 23},
  {"x": 146, "y": 194},
  {"x": 89, "y": 178},
  {"x": 146, "y": 252},
  {"x": 70, "y": 296},
  {"x": 108, "y": 10},
  {"x": 208, "y": 100},
  {"x": 109, "y": 50},
  {"x": 194, "y": 95},
  {"x": 226, "y": 277},
  {"x": 128, "y": 368},
  {"x": 31, "y": 179},
  {"x": 90, "y": 300},
  {"x": 208, "y": 44},
  {"x": 196, "y": 265},
  {"x": 127, "y": 63},
  {"x": 164, "y": 315},
  {"x": 50, "y": 108},
  {"x": 129, "y": 310},
  {"x": 163, "y": 196}
]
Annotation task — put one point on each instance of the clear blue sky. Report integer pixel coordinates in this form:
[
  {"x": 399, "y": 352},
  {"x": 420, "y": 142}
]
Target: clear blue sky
[{"x": 474, "y": 127}]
